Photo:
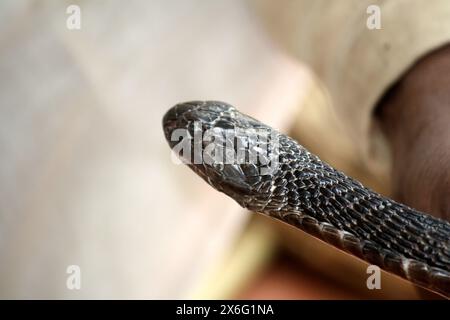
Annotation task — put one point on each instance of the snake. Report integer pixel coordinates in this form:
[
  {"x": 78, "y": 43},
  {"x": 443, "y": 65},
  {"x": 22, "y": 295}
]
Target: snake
[{"x": 292, "y": 185}]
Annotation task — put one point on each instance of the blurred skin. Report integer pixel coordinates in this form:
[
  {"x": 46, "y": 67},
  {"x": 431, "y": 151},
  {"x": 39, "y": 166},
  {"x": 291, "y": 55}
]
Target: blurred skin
[{"x": 415, "y": 117}]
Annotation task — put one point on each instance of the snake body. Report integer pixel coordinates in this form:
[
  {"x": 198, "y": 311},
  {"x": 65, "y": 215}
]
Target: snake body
[{"x": 309, "y": 194}]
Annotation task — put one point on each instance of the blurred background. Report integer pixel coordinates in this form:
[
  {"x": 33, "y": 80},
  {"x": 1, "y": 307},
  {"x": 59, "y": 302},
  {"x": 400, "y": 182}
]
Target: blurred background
[{"x": 86, "y": 176}]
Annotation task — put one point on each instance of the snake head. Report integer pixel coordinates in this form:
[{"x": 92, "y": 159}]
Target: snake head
[{"x": 231, "y": 151}]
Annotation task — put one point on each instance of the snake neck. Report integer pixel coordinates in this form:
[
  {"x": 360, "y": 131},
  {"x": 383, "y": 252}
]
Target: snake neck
[{"x": 311, "y": 195}]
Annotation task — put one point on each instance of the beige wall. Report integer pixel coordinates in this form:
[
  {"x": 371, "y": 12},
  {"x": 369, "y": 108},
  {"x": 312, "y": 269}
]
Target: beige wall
[{"x": 85, "y": 173}]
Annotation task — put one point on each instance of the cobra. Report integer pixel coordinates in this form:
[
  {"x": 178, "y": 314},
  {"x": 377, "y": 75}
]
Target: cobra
[{"x": 309, "y": 194}]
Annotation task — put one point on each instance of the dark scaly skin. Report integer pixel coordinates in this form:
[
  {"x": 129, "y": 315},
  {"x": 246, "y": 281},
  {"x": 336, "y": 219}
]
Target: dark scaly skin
[{"x": 309, "y": 194}]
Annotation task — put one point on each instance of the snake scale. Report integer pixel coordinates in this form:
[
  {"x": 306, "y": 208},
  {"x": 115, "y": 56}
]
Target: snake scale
[{"x": 309, "y": 194}]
